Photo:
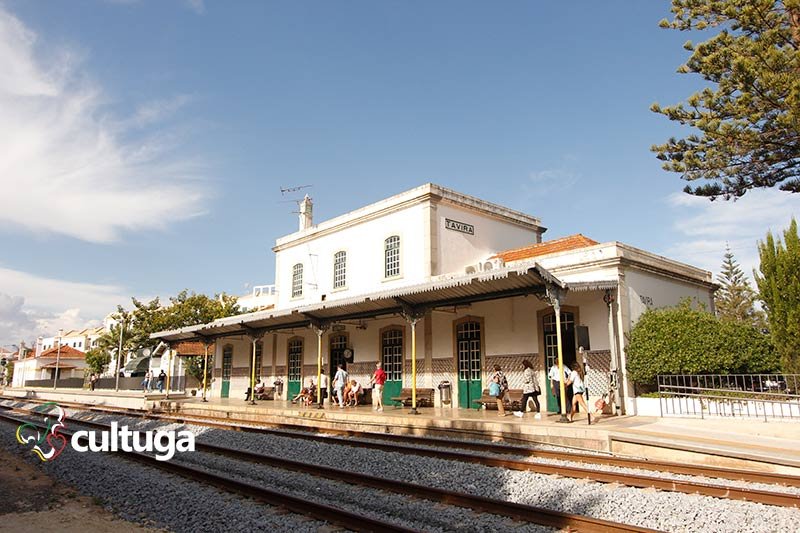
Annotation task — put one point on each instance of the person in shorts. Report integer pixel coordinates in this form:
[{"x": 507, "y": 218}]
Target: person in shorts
[{"x": 377, "y": 380}]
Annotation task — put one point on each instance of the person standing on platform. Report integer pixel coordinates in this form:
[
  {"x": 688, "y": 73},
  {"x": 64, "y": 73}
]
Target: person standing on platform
[
  {"x": 339, "y": 381},
  {"x": 578, "y": 388},
  {"x": 323, "y": 387},
  {"x": 93, "y": 381},
  {"x": 500, "y": 378},
  {"x": 378, "y": 379},
  {"x": 146, "y": 381},
  {"x": 530, "y": 388},
  {"x": 555, "y": 384},
  {"x": 161, "y": 377}
]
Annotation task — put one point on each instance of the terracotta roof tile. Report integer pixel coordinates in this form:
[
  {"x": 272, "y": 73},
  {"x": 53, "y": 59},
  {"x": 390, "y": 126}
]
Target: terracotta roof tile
[
  {"x": 67, "y": 352},
  {"x": 572, "y": 242}
]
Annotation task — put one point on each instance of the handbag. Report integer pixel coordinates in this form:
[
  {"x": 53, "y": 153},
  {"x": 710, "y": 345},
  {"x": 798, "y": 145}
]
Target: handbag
[{"x": 494, "y": 389}]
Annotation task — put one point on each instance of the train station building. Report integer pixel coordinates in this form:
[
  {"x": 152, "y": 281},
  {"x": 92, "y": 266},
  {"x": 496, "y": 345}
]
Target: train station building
[{"x": 446, "y": 285}]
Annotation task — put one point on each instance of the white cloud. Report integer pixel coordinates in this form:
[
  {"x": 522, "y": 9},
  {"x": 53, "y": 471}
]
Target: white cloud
[
  {"x": 158, "y": 110},
  {"x": 703, "y": 227},
  {"x": 65, "y": 166},
  {"x": 544, "y": 182},
  {"x": 198, "y": 6},
  {"x": 49, "y": 304}
]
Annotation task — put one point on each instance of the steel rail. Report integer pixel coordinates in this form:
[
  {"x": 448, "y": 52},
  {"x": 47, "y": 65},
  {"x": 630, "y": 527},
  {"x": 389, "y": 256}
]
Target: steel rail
[
  {"x": 527, "y": 513},
  {"x": 633, "y": 480},
  {"x": 348, "y": 520}
]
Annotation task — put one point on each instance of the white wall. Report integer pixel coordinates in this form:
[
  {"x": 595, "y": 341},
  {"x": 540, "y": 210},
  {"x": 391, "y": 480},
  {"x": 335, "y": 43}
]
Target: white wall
[
  {"x": 649, "y": 291},
  {"x": 364, "y": 244},
  {"x": 456, "y": 249}
]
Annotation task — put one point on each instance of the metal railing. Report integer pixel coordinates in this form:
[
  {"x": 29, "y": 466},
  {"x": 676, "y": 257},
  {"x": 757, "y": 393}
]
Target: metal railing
[{"x": 730, "y": 395}]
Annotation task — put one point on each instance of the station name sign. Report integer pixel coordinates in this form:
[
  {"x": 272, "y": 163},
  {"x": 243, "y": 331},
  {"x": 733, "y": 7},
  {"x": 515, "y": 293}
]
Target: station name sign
[{"x": 463, "y": 227}]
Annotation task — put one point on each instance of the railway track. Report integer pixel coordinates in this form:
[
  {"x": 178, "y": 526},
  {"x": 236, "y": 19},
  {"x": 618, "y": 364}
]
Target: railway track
[
  {"x": 526, "y": 513},
  {"x": 323, "y": 435},
  {"x": 411, "y": 445}
]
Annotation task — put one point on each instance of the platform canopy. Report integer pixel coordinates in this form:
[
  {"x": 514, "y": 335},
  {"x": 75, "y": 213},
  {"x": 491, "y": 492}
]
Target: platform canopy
[{"x": 519, "y": 280}]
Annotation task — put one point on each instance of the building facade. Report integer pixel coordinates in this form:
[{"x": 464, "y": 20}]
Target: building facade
[{"x": 470, "y": 281}]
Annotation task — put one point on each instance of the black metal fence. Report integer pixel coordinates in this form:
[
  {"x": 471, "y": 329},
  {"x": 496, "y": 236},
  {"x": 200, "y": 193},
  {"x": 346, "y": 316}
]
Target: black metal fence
[
  {"x": 730, "y": 395},
  {"x": 178, "y": 383}
]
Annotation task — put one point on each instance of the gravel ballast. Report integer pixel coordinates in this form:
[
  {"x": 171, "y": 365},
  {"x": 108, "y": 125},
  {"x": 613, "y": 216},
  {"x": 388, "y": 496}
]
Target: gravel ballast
[{"x": 644, "y": 507}]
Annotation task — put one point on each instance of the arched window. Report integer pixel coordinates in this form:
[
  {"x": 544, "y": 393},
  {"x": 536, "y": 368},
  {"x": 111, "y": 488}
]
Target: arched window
[
  {"x": 391, "y": 247},
  {"x": 339, "y": 270},
  {"x": 297, "y": 280}
]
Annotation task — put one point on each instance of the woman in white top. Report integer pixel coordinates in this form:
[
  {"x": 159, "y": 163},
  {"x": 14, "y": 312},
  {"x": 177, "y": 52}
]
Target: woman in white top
[
  {"x": 530, "y": 388},
  {"x": 578, "y": 388}
]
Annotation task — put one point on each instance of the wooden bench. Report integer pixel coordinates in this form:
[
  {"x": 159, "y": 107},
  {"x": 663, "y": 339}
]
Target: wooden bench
[
  {"x": 424, "y": 398},
  {"x": 513, "y": 400}
]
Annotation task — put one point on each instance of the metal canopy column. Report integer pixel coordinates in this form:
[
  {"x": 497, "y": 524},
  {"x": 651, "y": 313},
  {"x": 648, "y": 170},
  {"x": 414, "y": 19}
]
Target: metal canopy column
[
  {"x": 554, "y": 296},
  {"x": 609, "y": 299},
  {"x": 207, "y": 342},
  {"x": 319, "y": 328},
  {"x": 169, "y": 368},
  {"x": 412, "y": 316},
  {"x": 254, "y": 335}
]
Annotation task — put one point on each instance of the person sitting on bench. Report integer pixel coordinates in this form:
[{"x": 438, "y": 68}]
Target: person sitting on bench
[{"x": 353, "y": 392}]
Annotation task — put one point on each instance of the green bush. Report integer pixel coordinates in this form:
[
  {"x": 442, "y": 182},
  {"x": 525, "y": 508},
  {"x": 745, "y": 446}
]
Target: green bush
[{"x": 683, "y": 340}]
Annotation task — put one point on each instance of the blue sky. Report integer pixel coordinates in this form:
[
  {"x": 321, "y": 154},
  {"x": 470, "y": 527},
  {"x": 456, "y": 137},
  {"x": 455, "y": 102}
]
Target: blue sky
[{"x": 150, "y": 139}]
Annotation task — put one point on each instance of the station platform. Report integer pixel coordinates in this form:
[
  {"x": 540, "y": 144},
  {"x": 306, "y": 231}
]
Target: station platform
[{"x": 736, "y": 443}]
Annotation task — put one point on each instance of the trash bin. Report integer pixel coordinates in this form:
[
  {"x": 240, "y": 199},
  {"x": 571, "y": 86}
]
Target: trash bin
[
  {"x": 445, "y": 392},
  {"x": 278, "y": 389}
]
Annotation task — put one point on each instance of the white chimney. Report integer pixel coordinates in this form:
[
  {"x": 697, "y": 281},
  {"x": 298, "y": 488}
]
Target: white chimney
[{"x": 306, "y": 213}]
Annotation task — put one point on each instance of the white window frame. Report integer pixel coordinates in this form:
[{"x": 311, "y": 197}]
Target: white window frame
[
  {"x": 297, "y": 280},
  {"x": 398, "y": 259},
  {"x": 340, "y": 278}
]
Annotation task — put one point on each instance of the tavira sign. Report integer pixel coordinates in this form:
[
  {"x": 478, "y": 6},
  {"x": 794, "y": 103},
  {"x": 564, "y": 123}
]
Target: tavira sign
[{"x": 462, "y": 227}]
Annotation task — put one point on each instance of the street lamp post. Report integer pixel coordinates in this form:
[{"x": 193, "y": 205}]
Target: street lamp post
[
  {"x": 58, "y": 358},
  {"x": 119, "y": 353}
]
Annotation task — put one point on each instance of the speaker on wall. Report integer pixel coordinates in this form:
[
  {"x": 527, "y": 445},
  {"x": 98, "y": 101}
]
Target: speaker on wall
[{"x": 583, "y": 337}]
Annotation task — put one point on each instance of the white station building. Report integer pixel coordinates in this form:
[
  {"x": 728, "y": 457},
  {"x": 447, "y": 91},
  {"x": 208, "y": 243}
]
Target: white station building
[{"x": 471, "y": 283}]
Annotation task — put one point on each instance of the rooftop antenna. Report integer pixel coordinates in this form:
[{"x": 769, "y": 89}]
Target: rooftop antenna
[
  {"x": 304, "y": 205},
  {"x": 284, "y": 190}
]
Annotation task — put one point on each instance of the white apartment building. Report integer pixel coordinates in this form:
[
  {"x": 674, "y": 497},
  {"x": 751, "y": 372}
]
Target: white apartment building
[{"x": 471, "y": 281}]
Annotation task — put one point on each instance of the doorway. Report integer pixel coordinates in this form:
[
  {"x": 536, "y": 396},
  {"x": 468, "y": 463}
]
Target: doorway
[
  {"x": 469, "y": 356},
  {"x": 392, "y": 360},
  {"x": 337, "y": 346},
  {"x": 551, "y": 348},
  {"x": 295, "y": 364},
  {"x": 227, "y": 365}
]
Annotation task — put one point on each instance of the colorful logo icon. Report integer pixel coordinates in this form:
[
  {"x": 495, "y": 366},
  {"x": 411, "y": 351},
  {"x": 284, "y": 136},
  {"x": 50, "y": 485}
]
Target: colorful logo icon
[{"x": 49, "y": 444}]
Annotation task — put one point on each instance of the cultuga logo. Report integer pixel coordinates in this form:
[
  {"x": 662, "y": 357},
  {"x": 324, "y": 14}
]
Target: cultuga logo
[
  {"x": 49, "y": 445},
  {"x": 166, "y": 443}
]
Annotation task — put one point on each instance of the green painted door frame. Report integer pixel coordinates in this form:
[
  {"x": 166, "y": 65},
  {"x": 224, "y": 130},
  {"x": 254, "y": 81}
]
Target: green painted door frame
[
  {"x": 551, "y": 349},
  {"x": 469, "y": 355},
  {"x": 295, "y": 363},
  {"x": 392, "y": 361},
  {"x": 227, "y": 365}
]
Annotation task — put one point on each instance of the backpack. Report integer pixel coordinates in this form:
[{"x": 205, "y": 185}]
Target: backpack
[{"x": 494, "y": 389}]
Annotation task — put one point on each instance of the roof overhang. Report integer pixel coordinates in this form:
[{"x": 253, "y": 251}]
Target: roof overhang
[{"x": 520, "y": 280}]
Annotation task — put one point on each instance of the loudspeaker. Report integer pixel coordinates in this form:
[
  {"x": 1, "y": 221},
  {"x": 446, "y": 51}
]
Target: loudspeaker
[{"x": 583, "y": 337}]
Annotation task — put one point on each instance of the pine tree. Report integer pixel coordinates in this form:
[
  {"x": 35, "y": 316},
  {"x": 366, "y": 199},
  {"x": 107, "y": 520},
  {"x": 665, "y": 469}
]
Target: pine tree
[
  {"x": 746, "y": 121},
  {"x": 736, "y": 299},
  {"x": 779, "y": 288}
]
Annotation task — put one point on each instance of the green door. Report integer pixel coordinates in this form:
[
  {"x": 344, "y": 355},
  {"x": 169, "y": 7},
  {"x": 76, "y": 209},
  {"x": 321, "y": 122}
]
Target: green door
[
  {"x": 295, "y": 367},
  {"x": 551, "y": 349},
  {"x": 468, "y": 347},
  {"x": 227, "y": 364},
  {"x": 392, "y": 359}
]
